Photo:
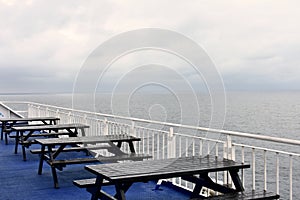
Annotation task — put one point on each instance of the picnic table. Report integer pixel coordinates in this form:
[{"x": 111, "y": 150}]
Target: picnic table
[
  {"x": 23, "y": 133},
  {"x": 111, "y": 143},
  {"x": 8, "y": 123},
  {"x": 192, "y": 169}
]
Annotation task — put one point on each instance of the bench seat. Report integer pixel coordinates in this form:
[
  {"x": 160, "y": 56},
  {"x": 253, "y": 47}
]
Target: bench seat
[
  {"x": 98, "y": 159},
  {"x": 69, "y": 149},
  {"x": 44, "y": 134},
  {"x": 89, "y": 182},
  {"x": 258, "y": 195}
]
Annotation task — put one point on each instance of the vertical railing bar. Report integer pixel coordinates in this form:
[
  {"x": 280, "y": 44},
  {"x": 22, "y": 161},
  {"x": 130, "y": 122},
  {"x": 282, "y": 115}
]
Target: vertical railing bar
[
  {"x": 157, "y": 148},
  {"x": 265, "y": 170},
  {"x": 291, "y": 177},
  {"x": 200, "y": 147},
  {"x": 243, "y": 162},
  {"x": 186, "y": 147},
  {"x": 138, "y": 132},
  {"x": 253, "y": 169},
  {"x": 193, "y": 146},
  {"x": 148, "y": 143},
  {"x": 208, "y": 148},
  {"x": 277, "y": 173},
  {"x": 217, "y": 150},
  {"x": 163, "y": 146},
  {"x": 216, "y": 155},
  {"x": 153, "y": 144},
  {"x": 186, "y": 154},
  {"x": 179, "y": 147}
]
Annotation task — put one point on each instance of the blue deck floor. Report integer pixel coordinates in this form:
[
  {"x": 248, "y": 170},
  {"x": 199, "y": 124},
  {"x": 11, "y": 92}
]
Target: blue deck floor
[{"x": 19, "y": 180}]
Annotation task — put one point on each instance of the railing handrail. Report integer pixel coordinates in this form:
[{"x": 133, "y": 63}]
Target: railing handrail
[{"x": 226, "y": 132}]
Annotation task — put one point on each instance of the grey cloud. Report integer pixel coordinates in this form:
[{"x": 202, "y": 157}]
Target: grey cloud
[{"x": 255, "y": 51}]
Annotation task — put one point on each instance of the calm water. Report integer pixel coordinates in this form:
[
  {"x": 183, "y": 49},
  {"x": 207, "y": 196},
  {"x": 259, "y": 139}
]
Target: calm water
[{"x": 271, "y": 113}]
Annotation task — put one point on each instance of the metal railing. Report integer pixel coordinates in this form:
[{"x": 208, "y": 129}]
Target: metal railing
[{"x": 273, "y": 164}]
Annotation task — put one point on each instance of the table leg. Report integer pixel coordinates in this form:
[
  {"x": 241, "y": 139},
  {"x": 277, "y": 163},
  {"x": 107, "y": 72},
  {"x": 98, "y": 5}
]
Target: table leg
[
  {"x": 121, "y": 189},
  {"x": 53, "y": 169},
  {"x": 2, "y": 128},
  {"x": 205, "y": 181},
  {"x": 54, "y": 175},
  {"x": 25, "y": 138},
  {"x": 196, "y": 190},
  {"x": 131, "y": 146},
  {"x": 41, "y": 160},
  {"x": 97, "y": 190},
  {"x": 17, "y": 141},
  {"x": 24, "y": 153},
  {"x": 120, "y": 194},
  {"x": 6, "y": 137},
  {"x": 236, "y": 180}
]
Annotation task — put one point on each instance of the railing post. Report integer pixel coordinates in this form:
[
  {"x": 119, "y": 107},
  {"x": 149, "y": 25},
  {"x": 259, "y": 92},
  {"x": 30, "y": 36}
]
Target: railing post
[
  {"x": 132, "y": 129},
  {"x": 227, "y": 154},
  {"x": 171, "y": 144},
  {"x": 57, "y": 113},
  {"x": 29, "y": 109},
  {"x": 47, "y": 111},
  {"x": 228, "y": 148},
  {"x": 171, "y": 148},
  {"x": 291, "y": 176},
  {"x": 39, "y": 111},
  {"x": 105, "y": 131},
  {"x": 69, "y": 117}
]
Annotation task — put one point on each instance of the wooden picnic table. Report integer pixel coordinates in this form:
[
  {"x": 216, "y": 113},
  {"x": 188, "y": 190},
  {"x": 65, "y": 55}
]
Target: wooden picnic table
[
  {"x": 53, "y": 130},
  {"x": 8, "y": 123},
  {"x": 88, "y": 144},
  {"x": 192, "y": 169}
]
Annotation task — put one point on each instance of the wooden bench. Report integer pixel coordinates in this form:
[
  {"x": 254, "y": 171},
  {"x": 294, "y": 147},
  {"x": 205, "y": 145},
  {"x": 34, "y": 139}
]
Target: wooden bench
[
  {"x": 192, "y": 169},
  {"x": 24, "y": 133},
  {"x": 250, "y": 195},
  {"x": 8, "y": 123},
  {"x": 258, "y": 195},
  {"x": 49, "y": 154},
  {"x": 44, "y": 134},
  {"x": 60, "y": 164},
  {"x": 68, "y": 149},
  {"x": 89, "y": 182}
]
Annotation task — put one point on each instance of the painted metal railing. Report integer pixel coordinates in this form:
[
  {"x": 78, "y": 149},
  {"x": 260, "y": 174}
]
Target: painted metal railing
[{"x": 271, "y": 158}]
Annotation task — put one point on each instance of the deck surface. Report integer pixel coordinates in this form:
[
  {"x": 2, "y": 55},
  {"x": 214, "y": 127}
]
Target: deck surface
[{"x": 19, "y": 180}]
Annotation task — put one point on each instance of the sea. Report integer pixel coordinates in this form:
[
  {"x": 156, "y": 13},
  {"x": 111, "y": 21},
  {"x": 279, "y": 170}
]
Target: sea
[
  {"x": 268, "y": 113},
  {"x": 274, "y": 114}
]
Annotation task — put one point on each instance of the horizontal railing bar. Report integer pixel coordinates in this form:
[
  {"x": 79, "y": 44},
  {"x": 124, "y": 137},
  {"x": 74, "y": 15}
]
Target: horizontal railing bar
[
  {"x": 232, "y": 133},
  {"x": 266, "y": 149},
  {"x": 199, "y": 137}
]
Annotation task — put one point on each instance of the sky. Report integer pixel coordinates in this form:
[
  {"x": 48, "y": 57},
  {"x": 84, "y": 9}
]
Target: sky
[{"x": 254, "y": 44}]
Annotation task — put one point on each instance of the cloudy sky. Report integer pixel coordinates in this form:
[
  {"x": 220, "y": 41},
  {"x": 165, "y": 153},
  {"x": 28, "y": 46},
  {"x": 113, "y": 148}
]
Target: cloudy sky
[{"x": 254, "y": 44}]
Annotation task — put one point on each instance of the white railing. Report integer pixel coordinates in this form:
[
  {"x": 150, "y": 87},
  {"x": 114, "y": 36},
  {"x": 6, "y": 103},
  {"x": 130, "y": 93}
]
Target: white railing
[{"x": 273, "y": 164}]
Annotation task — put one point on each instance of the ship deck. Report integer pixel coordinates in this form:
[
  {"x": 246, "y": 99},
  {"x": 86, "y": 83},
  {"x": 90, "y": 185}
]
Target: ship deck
[{"x": 19, "y": 180}]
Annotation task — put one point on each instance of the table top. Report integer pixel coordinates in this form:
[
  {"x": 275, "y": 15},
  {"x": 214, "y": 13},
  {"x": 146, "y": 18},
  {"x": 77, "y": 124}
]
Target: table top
[
  {"x": 161, "y": 169},
  {"x": 49, "y": 127},
  {"x": 27, "y": 119},
  {"x": 87, "y": 139}
]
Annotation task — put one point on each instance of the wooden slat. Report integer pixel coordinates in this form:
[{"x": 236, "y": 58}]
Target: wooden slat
[
  {"x": 90, "y": 182},
  {"x": 87, "y": 139},
  {"x": 43, "y": 134},
  {"x": 167, "y": 168},
  {"x": 98, "y": 159},
  {"x": 49, "y": 127}
]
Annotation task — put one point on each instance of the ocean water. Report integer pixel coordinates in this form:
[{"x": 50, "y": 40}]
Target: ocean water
[{"x": 268, "y": 113}]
